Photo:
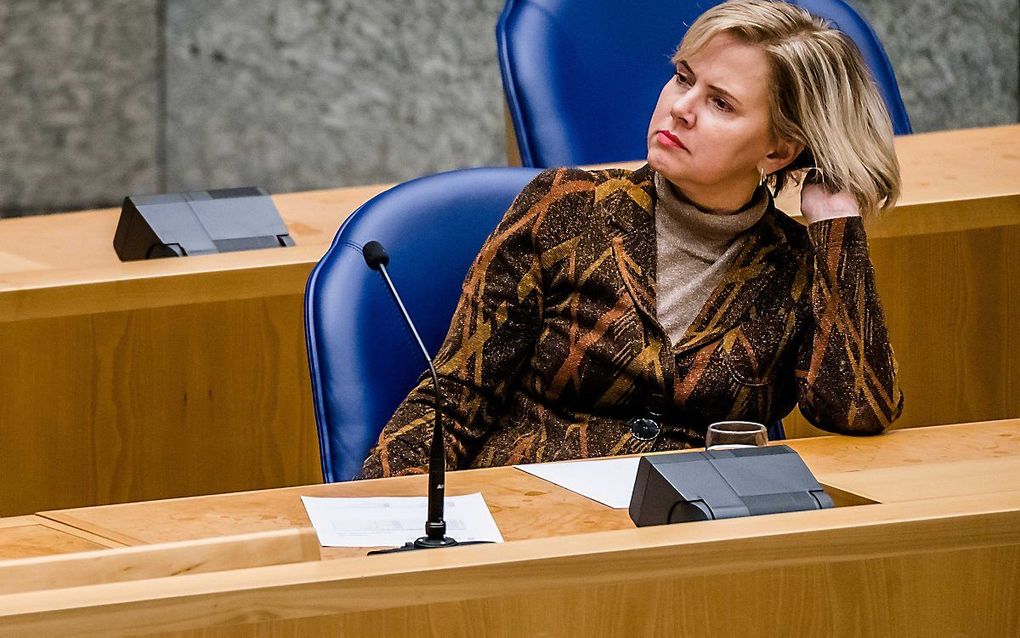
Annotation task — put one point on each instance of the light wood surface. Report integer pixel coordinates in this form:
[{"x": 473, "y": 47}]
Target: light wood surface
[
  {"x": 932, "y": 565},
  {"x": 898, "y": 569},
  {"x": 514, "y": 496},
  {"x": 27, "y": 536},
  {"x": 915, "y": 447},
  {"x": 959, "y": 478},
  {"x": 100, "y": 566},
  {"x": 125, "y": 382}
]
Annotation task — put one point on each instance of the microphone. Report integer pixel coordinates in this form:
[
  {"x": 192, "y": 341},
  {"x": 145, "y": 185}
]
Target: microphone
[{"x": 435, "y": 527}]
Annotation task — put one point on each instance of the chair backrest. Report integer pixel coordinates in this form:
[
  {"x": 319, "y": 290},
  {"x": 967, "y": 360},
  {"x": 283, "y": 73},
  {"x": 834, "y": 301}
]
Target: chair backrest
[
  {"x": 581, "y": 77},
  {"x": 362, "y": 359}
]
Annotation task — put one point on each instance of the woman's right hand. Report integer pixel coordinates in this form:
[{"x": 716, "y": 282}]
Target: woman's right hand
[{"x": 818, "y": 203}]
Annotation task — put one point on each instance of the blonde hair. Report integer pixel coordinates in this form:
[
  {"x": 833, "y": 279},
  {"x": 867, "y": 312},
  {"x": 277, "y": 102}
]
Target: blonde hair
[{"x": 821, "y": 95}]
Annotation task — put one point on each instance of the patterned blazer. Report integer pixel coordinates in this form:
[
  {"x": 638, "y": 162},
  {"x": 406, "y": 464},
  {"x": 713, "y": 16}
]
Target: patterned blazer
[{"x": 555, "y": 349}]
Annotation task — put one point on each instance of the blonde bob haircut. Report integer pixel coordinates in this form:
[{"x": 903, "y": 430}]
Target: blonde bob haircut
[{"x": 821, "y": 95}]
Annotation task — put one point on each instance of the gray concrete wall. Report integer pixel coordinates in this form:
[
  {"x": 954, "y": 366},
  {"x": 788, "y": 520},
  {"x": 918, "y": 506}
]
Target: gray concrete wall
[
  {"x": 102, "y": 98},
  {"x": 79, "y": 107}
]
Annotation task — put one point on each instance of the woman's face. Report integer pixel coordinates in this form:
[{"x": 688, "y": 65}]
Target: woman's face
[{"x": 709, "y": 134}]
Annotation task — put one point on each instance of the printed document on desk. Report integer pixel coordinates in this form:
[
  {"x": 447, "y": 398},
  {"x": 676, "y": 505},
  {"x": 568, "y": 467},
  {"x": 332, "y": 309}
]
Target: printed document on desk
[
  {"x": 608, "y": 481},
  {"x": 380, "y": 521}
]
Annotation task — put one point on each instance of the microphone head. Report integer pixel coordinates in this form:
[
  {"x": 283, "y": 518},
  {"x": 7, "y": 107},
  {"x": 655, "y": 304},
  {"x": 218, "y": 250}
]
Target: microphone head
[{"x": 375, "y": 255}]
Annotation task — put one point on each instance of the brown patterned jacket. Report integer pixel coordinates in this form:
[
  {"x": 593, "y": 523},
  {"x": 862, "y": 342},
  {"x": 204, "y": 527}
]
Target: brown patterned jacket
[{"x": 554, "y": 346}]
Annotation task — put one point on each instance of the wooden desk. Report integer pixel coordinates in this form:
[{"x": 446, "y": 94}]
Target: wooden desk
[
  {"x": 28, "y": 536},
  {"x": 943, "y": 562},
  {"x": 136, "y": 381}
]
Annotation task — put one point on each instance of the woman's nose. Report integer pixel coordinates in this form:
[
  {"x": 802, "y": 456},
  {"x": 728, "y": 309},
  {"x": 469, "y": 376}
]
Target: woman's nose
[{"x": 682, "y": 109}]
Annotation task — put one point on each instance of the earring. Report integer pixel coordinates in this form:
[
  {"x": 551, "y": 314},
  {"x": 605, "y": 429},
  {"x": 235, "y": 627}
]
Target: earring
[
  {"x": 813, "y": 175},
  {"x": 762, "y": 176}
]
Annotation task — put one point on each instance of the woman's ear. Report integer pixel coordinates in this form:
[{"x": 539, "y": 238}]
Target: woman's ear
[
  {"x": 783, "y": 154},
  {"x": 806, "y": 159}
]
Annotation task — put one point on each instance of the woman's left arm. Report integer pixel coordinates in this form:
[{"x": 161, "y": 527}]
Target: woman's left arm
[{"x": 846, "y": 372}]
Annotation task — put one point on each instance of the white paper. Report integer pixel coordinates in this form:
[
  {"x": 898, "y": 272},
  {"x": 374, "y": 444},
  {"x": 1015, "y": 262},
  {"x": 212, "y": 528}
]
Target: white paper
[
  {"x": 392, "y": 521},
  {"x": 608, "y": 481}
]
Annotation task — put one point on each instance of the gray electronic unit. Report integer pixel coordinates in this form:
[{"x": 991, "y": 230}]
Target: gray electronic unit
[
  {"x": 199, "y": 222},
  {"x": 715, "y": 484}
]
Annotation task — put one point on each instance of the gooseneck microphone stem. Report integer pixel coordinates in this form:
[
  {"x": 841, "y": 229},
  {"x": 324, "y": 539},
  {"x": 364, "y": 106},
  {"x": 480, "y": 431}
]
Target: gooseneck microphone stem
[{"x": 435, "y": 527}]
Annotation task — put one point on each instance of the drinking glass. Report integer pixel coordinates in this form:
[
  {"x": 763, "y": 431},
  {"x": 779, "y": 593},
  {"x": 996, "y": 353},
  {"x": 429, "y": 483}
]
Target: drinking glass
[{"x": 726, "y": 435}]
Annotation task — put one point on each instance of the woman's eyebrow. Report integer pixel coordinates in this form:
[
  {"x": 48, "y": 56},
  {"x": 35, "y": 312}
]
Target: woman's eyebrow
[
  {"x": 694, "y": 78},
  {"x": 725, "y": 93}
]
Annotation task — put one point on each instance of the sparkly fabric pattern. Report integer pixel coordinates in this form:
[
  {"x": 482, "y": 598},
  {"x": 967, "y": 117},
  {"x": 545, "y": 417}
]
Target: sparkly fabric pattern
[{"x": 554, "y": 345}]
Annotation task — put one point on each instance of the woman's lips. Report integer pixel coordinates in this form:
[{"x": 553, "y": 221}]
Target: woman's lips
[{"x": 668, "y": 139}]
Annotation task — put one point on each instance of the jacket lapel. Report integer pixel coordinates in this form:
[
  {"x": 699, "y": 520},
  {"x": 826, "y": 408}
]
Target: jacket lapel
[
  {"x": 629, "y": 204},
  {"x": 747, "y": 277}
]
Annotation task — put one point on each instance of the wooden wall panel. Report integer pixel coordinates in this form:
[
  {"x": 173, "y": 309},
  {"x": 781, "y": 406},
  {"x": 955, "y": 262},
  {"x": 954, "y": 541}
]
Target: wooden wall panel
[{"x": 155, "y": 402}]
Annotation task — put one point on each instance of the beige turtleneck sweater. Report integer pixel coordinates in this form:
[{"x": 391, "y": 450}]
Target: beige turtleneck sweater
[{"x": 694, "y": 250}]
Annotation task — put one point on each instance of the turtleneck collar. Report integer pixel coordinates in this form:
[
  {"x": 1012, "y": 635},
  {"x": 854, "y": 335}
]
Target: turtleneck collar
[{"x": 711, "y": 229}]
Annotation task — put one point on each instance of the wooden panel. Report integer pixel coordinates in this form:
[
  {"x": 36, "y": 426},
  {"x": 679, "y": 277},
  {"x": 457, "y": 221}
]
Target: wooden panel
[
  {"x": 959, "y": 478},
  {"x": 512, "y": 496},
  {"x": 911, "y": 448},
  {"x": 156, "y": 561},
  {"x": 27, "y": 536},
  {"x": 895, "y": 569},
  {"x": 155, "y": 403}
]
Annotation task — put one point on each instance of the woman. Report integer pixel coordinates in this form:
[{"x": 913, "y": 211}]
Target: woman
[{"x": 619, "y": 313}]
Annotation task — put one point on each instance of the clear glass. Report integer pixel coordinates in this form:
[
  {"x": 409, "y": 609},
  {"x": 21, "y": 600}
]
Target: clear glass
[{"x": 726, "y": 435}]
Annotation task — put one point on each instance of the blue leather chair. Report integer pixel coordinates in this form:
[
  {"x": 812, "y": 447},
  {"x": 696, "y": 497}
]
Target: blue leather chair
[
  {"x": 581, "y": 77},
  {"x": 362, "y": 358}
]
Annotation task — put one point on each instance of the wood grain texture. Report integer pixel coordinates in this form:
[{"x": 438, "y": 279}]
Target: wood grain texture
[
  {"x": 899, "y": 568},
  {"x": 514, "y": 496},
  {"x": 157, "y": 561},
  {"x": 28, "y": 536},
  {"x": 958, "y": 478},
  {"x": 143, "y": 380},
  {"x": 156, "y": 402},
  {"x": 911, "y": 448},
  {"x": 571, "y": 566}
]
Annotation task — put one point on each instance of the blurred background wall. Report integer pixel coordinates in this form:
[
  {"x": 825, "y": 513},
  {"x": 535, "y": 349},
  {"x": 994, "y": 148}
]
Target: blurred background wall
[{"x": 104, "y": 98}]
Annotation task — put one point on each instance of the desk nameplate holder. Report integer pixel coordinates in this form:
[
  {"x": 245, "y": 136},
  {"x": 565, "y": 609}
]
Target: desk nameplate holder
[{"x": 198, "y": 223}]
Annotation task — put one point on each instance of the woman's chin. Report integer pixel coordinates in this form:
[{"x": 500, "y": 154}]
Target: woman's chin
[
  {"x": 656, "y": 160},
  {"x": 661, "y": 164}
]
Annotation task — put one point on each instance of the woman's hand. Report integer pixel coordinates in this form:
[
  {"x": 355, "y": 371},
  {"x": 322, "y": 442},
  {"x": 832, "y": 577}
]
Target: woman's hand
[{"x": 817, "y": 203}]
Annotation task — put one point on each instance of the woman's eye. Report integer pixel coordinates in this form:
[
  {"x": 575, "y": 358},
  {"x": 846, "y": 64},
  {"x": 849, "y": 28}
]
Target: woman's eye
[
  {"x": 681, "y": 78},
  {"x": 722, "y": 104}
]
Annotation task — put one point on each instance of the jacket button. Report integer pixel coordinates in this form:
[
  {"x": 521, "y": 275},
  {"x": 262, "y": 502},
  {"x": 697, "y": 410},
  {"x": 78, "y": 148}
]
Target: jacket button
[{"x": 643, "y": 428}]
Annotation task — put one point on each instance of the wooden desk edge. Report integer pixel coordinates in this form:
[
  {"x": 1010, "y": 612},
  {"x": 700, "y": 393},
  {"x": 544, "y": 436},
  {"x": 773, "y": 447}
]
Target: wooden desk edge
[{"x": 380, "y": 582}]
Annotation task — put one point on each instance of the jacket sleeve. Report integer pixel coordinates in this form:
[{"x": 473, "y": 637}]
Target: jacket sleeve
[
  {"x": 491, "y": 334},
  {"x": 846, "y": 372}
]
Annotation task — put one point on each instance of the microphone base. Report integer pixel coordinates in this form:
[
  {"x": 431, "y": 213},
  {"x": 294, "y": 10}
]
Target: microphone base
[{"x": 426, "y": 543}]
